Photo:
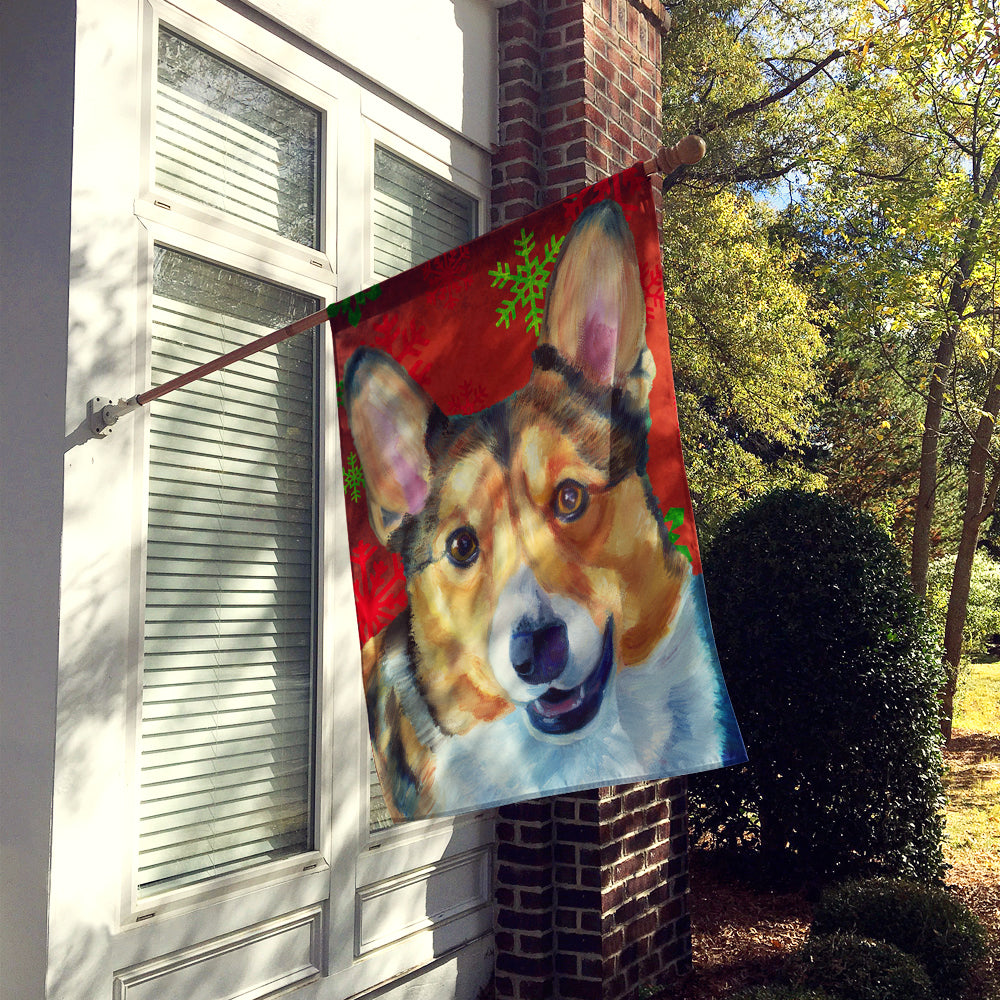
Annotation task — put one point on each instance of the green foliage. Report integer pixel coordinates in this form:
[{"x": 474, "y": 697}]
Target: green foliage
[
  {"x": 745, "y": 344},
  {"x": 727, "y": 70},
  {"x": 857, "y": 968},
  {"x": 833, "y": 674},
  {"x": 866, "y": 435},
  {"x": 877, "y": 126},
  {"x": 904, "y": 189},
  {"x": 747, "y": 356},
  {"x": 924, "y": 921},
  {"x": 983, "y": 612},
  {"x": 781, "y": 992}
]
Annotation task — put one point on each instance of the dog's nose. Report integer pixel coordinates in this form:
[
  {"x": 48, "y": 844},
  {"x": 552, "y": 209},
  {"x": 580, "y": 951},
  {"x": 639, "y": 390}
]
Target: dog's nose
[{"x": 540, "y": 655}]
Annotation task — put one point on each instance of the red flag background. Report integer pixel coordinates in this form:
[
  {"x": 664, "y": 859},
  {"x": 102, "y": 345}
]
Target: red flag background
[{"x": 464, "y": 326}]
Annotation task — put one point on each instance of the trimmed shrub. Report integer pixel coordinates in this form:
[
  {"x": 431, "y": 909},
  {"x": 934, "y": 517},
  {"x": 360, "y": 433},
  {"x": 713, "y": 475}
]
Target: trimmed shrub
[
  {"x": 782, "y": 993},
  {"x": 834, "y": 674},
  {"x": 856, "y": 968},
  {"x": 925, "y": 922}
]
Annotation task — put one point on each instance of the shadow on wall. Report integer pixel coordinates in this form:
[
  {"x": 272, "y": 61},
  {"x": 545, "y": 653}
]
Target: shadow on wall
[{"x": 90, "y": 820}]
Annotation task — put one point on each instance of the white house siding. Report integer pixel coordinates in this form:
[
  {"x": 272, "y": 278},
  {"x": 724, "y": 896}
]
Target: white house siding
[
  {"x": 36, "y": 118},
  {"x": 410, "y": 915}
]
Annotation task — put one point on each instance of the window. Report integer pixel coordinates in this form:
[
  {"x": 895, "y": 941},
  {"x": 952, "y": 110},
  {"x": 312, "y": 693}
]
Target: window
[
  {"x": 251, "y": 805},
  {"x": 229, "y": 646},
  {"x": 416, "y": 215},
  {"x": 210, "y": 825},
  {"x": 228, "y": 686},
  {"x": 227, "y": 140}
]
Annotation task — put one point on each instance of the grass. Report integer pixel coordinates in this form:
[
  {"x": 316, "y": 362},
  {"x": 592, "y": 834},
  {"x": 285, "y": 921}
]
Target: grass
[
  {"x": 972, "y": 847},
  {"x": 973, "y": 782},
  {"x": 978, "y": 698}
]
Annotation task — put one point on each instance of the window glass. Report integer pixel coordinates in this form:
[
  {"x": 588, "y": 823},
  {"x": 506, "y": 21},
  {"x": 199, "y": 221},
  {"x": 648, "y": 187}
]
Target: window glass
[
  {"x": 228, "y": 674},
  {"x": 225, "y": 139},
  {"x": 416, "y": 215}
]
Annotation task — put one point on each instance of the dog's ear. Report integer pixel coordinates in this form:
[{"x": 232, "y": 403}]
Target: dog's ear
[
  {"x": 388, "y": 413},
  {"x": 595, "y": 309}
]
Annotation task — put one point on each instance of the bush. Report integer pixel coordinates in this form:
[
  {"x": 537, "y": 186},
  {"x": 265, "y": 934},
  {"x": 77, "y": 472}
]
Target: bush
[
  {"x": 782, "y": 993},
  {"x": 927, "y": 923},
  {"x": 833, "y": 673},
  {"x": 856, "y": 968}
]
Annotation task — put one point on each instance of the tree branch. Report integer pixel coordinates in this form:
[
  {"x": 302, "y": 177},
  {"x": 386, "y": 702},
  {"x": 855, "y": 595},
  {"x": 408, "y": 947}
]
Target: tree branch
[{"x": 753, "y": 107}]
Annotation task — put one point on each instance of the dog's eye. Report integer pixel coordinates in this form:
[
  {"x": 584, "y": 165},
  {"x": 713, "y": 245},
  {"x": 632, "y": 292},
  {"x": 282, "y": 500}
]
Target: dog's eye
[
  {"x": 462, "y": 547},
  {"x": 570, "y": 500}
]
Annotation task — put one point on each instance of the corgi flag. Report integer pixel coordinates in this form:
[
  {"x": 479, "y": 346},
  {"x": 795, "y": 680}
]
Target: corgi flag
[{"x": 526, "y": 573}]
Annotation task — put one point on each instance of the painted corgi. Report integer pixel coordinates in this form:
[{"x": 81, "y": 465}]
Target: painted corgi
[{"x": 554, "y": 639}]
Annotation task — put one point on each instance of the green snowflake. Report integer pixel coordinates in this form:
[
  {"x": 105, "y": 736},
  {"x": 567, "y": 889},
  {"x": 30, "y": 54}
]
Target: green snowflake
[
  {"x": 528, "y": 281},
  {"x": 673, "y": 519},
  {"x": 354, "y": 478},
  {"x": 352, "y": 305}
]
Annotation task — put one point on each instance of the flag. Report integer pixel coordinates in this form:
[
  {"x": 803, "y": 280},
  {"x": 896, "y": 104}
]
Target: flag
[{"x": 525, "y": 565}]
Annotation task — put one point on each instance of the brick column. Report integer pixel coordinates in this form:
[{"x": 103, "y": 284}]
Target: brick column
[
  {"x": 621, "y": 881},
  {"x": 579, "y": 96},
  {"x": 524, "y": 901},
  {"x": 591, "y": 889}
]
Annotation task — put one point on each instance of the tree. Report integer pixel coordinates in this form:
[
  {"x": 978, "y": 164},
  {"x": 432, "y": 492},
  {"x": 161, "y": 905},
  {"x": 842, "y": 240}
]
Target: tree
[
  {"x": 746, "y": 77},
  {"x": 746, "y": 354},
  {"x": 881, "y": 119},
  {"x": 746, "y": 351},
  {"x": 866, "y": 439},
  {"x": 913, "y": 187}
]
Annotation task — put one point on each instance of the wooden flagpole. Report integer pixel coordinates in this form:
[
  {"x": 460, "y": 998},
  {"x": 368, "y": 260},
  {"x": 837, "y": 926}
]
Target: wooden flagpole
[{"x": 102, "y": 413}]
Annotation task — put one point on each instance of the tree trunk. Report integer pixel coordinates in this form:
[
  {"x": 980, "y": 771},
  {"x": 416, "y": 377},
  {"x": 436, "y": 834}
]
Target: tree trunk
[
  {"x": 979, "y": 499},
  {"x": 920, "y": 553},
  {"x": 958, "y": 300}
]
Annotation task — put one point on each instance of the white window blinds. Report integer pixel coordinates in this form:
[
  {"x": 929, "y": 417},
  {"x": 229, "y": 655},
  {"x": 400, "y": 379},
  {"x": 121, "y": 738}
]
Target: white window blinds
[
  {"x": 227, "y": 681},
  {"x": 227, "y": 140},
  {"x": 416, "y": 216},
  {"x": 228, "y": 674}
]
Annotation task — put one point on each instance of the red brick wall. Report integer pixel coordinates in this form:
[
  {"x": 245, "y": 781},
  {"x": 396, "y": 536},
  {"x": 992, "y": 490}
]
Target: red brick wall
[
  {"x": 591, "y": 889},
  {"x": 579, "y": 96},
  {"x": 591, "y": 893}
]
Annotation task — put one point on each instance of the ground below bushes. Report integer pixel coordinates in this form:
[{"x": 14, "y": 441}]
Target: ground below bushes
[{"x": 741, "y": 935}]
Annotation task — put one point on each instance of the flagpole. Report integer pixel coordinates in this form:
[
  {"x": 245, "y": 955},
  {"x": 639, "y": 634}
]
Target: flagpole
[
  {"x": 687, "y": 152},
  {"x": 103, "y": 413}
]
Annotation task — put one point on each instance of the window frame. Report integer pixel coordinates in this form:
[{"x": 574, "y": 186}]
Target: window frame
[
  {"x": 177, "y": 223},
  {"x": 274, "y": 61},
  {"x": 136, "y": 908},
  {"x": 389, "y": 857},
  {"x": 385, "y": 126}
]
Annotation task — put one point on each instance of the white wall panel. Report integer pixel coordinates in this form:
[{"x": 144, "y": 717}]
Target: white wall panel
[
  {"x": 254, "y": 964},
  {"x": 389, "y": 911},
  {"x": 415, "y": 50}
]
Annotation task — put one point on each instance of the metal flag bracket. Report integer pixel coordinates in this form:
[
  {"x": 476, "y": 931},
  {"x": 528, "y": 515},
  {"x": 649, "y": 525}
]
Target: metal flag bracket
[{"x": 103, "y": 413}]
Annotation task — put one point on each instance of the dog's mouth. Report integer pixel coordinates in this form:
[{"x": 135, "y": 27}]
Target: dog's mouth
[{"x": 558, "y": 711}]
